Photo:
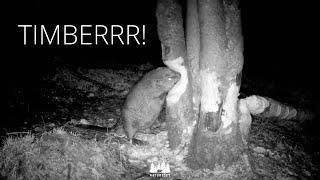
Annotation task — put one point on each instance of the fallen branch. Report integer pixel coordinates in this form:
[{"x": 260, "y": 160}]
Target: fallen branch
[{"x": 267, "y": 107}]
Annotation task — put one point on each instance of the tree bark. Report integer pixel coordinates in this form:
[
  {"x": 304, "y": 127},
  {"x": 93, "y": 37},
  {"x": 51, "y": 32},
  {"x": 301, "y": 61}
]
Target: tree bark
[
  {"x": 207, "y": 124},
  {"x": 202, "y": 109},
  {"x": 193, "y": 49},
  {"x": 267, "y": 107},
  {"x": 217, "y": 139},
  {"x": 211, "y": 65},
  {"x": 179, "y": 111}
]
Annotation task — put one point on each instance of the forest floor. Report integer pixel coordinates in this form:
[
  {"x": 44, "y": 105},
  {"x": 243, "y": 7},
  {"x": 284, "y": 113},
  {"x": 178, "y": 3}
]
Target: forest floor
[{"x": 40, "y": 144}]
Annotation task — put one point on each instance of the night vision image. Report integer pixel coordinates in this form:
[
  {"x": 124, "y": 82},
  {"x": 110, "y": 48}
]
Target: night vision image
[{"x": 160, "y": 89}]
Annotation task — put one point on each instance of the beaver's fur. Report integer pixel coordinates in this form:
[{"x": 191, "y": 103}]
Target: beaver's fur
[{"x": 145, "y": 100}]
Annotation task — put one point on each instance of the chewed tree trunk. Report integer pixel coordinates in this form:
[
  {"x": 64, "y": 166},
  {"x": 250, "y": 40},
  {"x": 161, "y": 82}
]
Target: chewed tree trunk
[
  {"x": 217, "y": 138},
  {"x": 180, "y": 114},
  {"x": 207, "y": 125},
  {"x": 202, "y": 109}
]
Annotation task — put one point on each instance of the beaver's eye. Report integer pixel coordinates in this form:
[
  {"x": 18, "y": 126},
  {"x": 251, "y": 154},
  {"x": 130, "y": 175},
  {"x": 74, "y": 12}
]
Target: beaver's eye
[{"x": 169, "y": 79}]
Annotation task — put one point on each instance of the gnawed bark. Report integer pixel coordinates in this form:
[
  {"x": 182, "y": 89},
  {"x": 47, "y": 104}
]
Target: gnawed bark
[
  {"x": 170, "y": 146},
  {"x": 207, "y": 93},
  {"x": 179, "y": 106},
  {"x": 217, "y": 138}
]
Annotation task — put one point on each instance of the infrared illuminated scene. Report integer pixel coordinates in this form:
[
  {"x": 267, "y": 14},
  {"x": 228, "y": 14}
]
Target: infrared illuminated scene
[{"x": 160, "y": 89}]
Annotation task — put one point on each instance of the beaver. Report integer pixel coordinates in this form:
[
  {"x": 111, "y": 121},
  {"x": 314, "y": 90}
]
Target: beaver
[{"x": 145, "y": 100}]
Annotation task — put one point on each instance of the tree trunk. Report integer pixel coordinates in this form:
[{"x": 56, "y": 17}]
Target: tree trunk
[
  {"x": 207, "y": 125},
  {"x": 179, "y": 109},
  {"x": 210, "y": 63},
  {"x": 217, "y": 139}
]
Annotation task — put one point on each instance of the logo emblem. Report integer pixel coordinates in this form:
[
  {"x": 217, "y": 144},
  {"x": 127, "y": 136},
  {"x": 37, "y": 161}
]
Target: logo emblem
[{"x": 159, "y": 169}]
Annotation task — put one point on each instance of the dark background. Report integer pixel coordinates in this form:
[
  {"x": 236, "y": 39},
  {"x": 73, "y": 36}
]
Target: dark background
[{"x": 279, "y": 38}]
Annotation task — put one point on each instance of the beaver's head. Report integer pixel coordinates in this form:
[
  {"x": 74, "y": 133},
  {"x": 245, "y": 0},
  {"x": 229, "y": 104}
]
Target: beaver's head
[{"x": 166, "y": 78}]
